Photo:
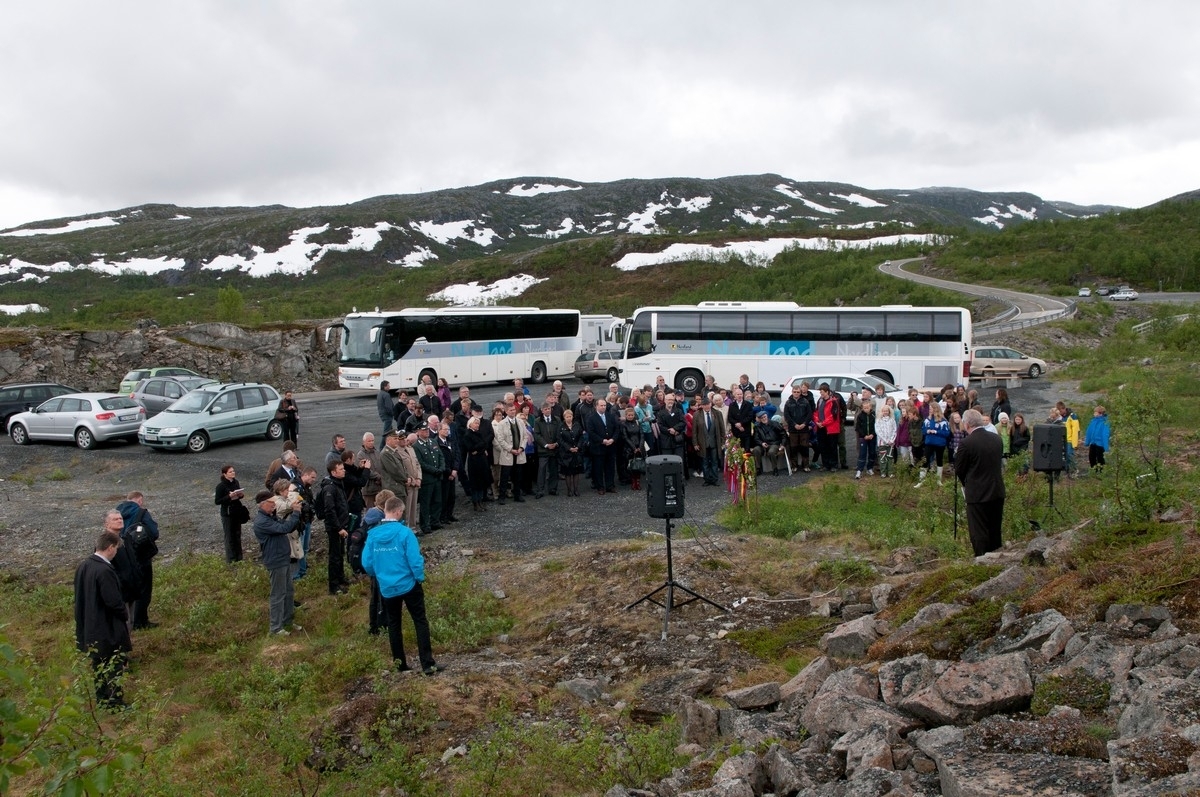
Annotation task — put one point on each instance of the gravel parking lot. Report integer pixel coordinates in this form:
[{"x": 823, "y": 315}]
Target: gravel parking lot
[{"x": 53, "y": 496}]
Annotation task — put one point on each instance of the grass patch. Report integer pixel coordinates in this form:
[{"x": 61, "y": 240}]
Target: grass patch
[
  {"x": 796, "y": 634},
  {"x": 58, "y": 475},
  {"x": 1078, "y": 690},
  {"x": 948, "y": 584},
  {"x": 946, "y": 639}
]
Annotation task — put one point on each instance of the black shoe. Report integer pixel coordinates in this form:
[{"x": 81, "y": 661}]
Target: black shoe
[
  {"x": 518, "y": 500},
  {"x": 554, "y": 492},
  {"x": 295, "y": 605},
  {"x": 451, "y": 519},
  {"x": 501, "y": 501},
  {"x": 433, "y": 669},
  {"x": 147, "y": 624},
  {"x": 373, "y": 630},
  {"x": 435, "y": 527},
  {"x": 402, "y": 667}
]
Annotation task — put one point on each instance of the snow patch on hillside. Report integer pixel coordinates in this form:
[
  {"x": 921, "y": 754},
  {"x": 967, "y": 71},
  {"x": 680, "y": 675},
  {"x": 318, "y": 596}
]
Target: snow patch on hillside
[
  {"x": 137, "y": 265},
  {"x": 860, "y": 200},
  {"x": 72, "y": 226},
  {"x": 415, "y": 258},
  {"x": 472, "y": 294},
  {"x": 996, "y": 214},
  {"x": 757, "y": 252},
  {"x": 792, "y": 193},
  {"x": 750, "y": 218},
  {"x": 567, "y": 226},
  {"x": 467, "y": 230},
  {"x": 644, "y": 222},
  {"x": 539, "y": 188},
  {"x": 17, "y": 309}
]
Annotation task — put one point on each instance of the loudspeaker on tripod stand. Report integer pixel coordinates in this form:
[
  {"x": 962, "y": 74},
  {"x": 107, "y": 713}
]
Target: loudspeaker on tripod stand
[
  {"x": 1049, "y": 447},
  {"x": 664, "y": 486}
]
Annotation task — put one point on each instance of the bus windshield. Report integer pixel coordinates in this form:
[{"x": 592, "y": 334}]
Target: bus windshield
[{"x": 362, "y": 342}]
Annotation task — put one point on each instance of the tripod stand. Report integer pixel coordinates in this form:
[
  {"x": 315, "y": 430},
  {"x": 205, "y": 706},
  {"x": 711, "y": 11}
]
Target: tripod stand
[
  {"x": 670, "y": 586},
  {"x": 1051, "y": 477}
]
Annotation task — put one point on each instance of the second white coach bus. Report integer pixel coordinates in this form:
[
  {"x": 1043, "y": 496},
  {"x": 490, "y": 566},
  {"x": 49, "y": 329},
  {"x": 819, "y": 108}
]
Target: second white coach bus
[{"x": 771, "y": 341}]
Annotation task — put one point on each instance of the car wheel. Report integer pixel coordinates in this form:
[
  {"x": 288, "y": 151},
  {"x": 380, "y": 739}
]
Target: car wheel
[
  {"x": 1035, "y": 371},
  {"x": 197, "y": 442},
  {"x": 612, "y": 375},
  {"x": 19, "y": 435},
  {"x": 274, "y": 430},
  {"x": 537, "y": 374},
  {"x": 84, "y": 438}
]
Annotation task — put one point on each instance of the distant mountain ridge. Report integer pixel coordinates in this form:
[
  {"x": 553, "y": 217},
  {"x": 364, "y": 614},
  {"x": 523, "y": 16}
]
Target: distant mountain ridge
[{"x": 502, "y": 216}]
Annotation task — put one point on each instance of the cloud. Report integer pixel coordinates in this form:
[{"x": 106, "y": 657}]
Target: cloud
[{"x": 311, "y": 102}]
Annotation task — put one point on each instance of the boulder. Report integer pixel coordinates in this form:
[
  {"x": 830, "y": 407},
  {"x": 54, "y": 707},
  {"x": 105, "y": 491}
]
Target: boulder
[
  {"x": 806, "y": 682},
  {"x": 750, "y": 698},
  {"x": 697, "y": 721},
  {"x": 1102, "y": 660},
  {"x": 853, "y": 611},
  {"x": 928, "y": 615},
  {"x": 1166, "y": 704},
  {"x": 789, "y": 773},
  {"x": 901, "y": 678},
  {"x": 851, "y": 640},
  {"x": 659, "y": 698},
  {"x": 837, "y": 713},
  {"x": 1139, "y": 763},
  {"x": 1045, "y": 632},
  {"x": 753, "y": 729},
  {"x": 881, "y": 595},
  {"x": 589, "y": 690},
  {"x": 746, "y": 767},
  {"x": 864, "y": 748},
  {"x": 964, "y": 691},
  {"x": 1137, "y": 614},
  {"x": 727, "y": 788},
  {"x": 1002, "y": 585}
]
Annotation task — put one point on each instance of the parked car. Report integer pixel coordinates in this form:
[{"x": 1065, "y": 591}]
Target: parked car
[
  {"x": 598, "y": 365},
  {"x": 987, "y": 360},
  {"x": 214, "y": 413},
  {"x": 1085, "y": 292},
  {"x": 1123, "y": 295},
  {"x": 130, "y": 380},
  {"x": 25, "y": 396},
  {"x": 160, "y": 392},
  {"x": 843, "y": 384},
  {"x": 86, "y": 418}
]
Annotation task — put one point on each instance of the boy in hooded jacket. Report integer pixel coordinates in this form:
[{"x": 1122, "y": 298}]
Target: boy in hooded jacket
[{"x": 393, "y": 558}]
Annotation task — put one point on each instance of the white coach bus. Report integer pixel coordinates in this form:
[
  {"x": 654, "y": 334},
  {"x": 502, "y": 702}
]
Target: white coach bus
[
  {"x": 772, "y": 341},
  {"x": 465, "y": 345}
]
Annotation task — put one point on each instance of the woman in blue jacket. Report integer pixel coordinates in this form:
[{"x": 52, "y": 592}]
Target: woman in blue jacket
[
  {"x": 1096, "y": 439},
  {"x": 393, "y": 558},
  {"x": 937, "y": 436}
]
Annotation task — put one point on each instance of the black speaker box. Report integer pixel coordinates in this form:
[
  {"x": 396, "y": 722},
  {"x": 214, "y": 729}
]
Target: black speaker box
[
  {"x": 664, "y": 486},
  {"x": 1049, "y": 447}
]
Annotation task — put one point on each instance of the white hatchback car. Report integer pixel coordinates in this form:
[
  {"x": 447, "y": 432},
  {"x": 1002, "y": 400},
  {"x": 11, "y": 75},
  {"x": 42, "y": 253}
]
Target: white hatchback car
[
  {"x": 1123, "y": 295},
  {"x": 842, "y": 384},
  {"x": 86, "y": 418}
]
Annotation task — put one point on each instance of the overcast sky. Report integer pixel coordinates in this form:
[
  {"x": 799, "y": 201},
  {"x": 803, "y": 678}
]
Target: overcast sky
[{"x": 108, "y": 105}]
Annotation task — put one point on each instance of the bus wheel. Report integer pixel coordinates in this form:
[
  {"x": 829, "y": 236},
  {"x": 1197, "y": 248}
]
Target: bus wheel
[
  {"x": 884, "y": 375},
  {"x": 428, "y": 372},
  {"x": 537, "y": 374},
  {"x": 689, "y": 381}
]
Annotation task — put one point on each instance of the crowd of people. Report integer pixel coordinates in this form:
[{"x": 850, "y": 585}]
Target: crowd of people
[{"x": 374, "y": 503}]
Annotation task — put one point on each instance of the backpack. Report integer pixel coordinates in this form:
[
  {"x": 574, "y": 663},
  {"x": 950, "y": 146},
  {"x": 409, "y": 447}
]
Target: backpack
[
  {"x": 319, "y": 498},
  {"x": 141, "y": 543}
]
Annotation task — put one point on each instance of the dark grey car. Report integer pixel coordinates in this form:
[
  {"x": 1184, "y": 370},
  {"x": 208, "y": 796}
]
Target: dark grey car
[
  {"x": 26, "y": 396},
  {"x": 159, "y": 392}
]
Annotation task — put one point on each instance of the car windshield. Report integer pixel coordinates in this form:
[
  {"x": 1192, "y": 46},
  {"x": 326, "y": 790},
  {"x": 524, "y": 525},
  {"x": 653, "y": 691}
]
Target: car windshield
[
  {"x": 135, "y": 376},
  {"x": 118, "y": 403},
  {"x": 193, "y": 382},
  {"x": 193, "y": 402}
]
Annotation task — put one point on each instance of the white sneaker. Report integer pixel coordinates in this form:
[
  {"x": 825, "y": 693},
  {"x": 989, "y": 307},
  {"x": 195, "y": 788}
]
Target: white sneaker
[
  {"x": 858, "y": 474},
  {"x": 870, "y": 472}
]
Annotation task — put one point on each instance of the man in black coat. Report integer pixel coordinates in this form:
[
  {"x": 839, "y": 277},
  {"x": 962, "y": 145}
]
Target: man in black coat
[
  {"x": 740, "y": 419},
  {"x": 672, "y": 428},
  {"x": 979, "y": 465},
  {"x": 335, "y": 511},
  {"x": 101, "y": 619}
]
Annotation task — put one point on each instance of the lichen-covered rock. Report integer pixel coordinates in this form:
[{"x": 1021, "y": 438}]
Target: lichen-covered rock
[
  {"x": 851, "y": 640},
  {"x": 864, "y": 748},
  {"x": 1045, "y": 632},
  {"x": 750, "y": 698},
  {"x": 697, "y": 721},
  {"x": 805, "y": 683},
  {"x": 1167, "y": 704},
  {"x": 965, "y": 691},
  {"x": 1137, "y": 614},
  {"x": 747, "y": 767}
]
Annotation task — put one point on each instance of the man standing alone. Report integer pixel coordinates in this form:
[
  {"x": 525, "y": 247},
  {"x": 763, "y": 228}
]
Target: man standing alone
[
  {"x": 979, "y": 465},
  {"x": 101, "y": 620}
]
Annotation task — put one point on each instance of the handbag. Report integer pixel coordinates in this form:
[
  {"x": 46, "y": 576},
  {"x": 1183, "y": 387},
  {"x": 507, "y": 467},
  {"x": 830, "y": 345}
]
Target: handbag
[
  {"x": 238, "y": 512},
  {"x": 637, "y": 465}
]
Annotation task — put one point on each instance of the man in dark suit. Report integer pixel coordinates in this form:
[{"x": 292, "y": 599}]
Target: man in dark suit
[
  {"x": 741, "y": 419},
  {"x": 602, "y": 433},
  {"x": 708, "y": 439},
  {"x": 101, "y": 618},
  {"x": 979, "y": 465}
]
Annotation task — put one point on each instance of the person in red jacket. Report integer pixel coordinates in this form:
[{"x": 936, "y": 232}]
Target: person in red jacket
[{"x": 828, "y": 420}]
